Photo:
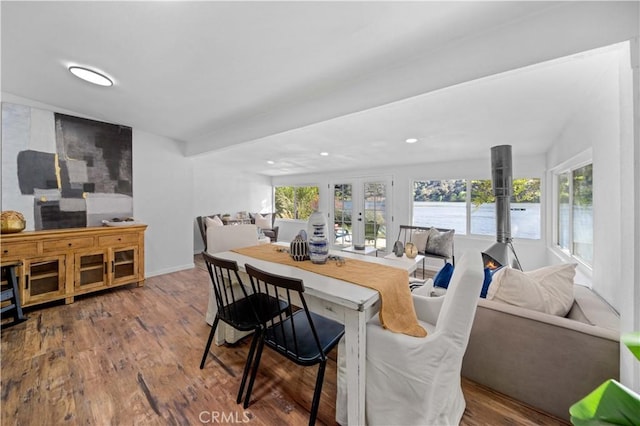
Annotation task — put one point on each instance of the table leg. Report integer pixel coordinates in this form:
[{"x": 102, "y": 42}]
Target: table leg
[{"x": 356, "y": 345}]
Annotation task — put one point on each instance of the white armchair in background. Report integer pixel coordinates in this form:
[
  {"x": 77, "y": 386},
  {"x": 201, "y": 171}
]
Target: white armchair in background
[
  {"x": 416, "y": 381},
  {"x": 223, "y": 238}
]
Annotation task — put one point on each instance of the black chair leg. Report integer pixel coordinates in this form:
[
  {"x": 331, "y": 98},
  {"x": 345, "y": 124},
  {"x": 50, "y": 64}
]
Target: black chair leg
[
  {"x": 256, "y": 364},
  {"x": 316, "y": 394},
  {"x": 256, "y": 335},
  {"x": 206, "y": 349}
]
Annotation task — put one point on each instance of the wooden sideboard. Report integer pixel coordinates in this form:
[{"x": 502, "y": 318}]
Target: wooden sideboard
[{"x": 63, "y": 263}]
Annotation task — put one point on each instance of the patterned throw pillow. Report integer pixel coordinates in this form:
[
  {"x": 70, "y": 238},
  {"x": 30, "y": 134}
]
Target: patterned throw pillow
[{"x": 440, "y": 243}]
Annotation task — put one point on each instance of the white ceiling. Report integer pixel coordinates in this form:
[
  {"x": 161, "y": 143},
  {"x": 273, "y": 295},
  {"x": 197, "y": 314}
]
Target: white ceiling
[{"x": 282, "y": 81}]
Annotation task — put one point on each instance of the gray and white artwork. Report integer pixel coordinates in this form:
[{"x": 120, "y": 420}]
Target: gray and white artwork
[{"x": 61, "y": 171}]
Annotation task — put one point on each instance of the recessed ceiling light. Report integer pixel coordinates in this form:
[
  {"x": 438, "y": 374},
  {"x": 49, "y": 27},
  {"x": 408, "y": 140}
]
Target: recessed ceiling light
[
  {"x": 91, "y": 76},
  {"x": 324, "y": 154},
  {"x": 271, "y": 162},
  {"x": 411, "y": 140}
]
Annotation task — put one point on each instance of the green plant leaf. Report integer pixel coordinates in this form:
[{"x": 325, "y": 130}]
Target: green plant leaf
[
  {"x": 632, "y": 341},
  {"x": 609, "y": 403}
]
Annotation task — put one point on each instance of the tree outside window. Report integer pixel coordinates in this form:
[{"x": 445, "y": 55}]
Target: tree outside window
[{"x": 296, "y": 202}]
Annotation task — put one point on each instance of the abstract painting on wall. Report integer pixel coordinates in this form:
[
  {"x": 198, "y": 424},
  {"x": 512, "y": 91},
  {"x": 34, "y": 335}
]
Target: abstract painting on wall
[{"x": 61, "y": 171}]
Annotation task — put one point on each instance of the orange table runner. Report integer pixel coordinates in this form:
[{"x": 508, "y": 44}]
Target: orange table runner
[{"x": 396, "y": 311}]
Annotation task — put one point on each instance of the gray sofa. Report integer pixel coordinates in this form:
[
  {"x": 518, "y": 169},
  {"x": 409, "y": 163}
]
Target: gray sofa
[{"x": 545, "y": 361}]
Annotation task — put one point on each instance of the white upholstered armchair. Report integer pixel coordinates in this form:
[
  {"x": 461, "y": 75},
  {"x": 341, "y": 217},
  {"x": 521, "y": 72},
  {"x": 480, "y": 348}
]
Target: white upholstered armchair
[{"x": 416, "y": 381}]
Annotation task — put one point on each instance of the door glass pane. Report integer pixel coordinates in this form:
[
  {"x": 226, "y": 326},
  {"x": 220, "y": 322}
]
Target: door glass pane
[
  {"x": 342, "y": 214},
  {"x": 583, "y": 213},
  {"x": 375, "y": 220},
  {"x": 564, "y": 211}
]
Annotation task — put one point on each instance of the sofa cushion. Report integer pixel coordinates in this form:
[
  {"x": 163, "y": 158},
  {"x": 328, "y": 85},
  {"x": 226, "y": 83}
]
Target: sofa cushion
[
  {"x": 548, "y": 289},
  {"x": 591, "y": 309}
]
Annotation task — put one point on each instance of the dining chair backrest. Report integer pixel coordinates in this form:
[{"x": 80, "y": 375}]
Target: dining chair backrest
[
  {"x": 303, "y": 337},
  {"x": 224, "y": 273},
  {"x": 288, "y": 334}
]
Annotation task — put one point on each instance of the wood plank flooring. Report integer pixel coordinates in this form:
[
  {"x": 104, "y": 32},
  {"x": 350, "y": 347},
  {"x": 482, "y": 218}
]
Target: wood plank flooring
[{"x": 131, "y": 355}]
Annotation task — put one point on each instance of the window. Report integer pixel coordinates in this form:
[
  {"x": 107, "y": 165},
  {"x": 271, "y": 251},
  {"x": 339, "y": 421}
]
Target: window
[
  {"x": 445, "y": 203},
  {"x": 574, "y": 214},
  {"x": 296, "y": 202},
  {"x": 440, "y": 203},
  {"x": 525, "y": 208}
]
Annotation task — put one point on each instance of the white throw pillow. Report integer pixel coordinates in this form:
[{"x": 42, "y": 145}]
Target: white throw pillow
[
  {"x": 557, "y": 280},
  {"x": 212, "y": 221},
  {"x": 263, "y": 222},
  {"x": 419, "y": 237},
  {"x": 548, "y": 289}
]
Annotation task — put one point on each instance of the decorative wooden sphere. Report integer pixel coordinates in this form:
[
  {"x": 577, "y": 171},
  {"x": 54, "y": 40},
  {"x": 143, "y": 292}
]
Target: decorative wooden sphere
[
  {"x": 12, "y": 221},
  {"x": 410, "y": 250}
]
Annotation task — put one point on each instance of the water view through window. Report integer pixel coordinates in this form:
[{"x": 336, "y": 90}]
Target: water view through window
[{"x": 444, "y": 204}]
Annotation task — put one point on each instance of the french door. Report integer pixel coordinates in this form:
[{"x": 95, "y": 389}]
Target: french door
[{"x": 361, "y": 212}]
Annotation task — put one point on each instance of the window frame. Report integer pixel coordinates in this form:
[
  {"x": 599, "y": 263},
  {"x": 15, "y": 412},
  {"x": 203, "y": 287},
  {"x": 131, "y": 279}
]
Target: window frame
[{"x": 568, "y": 167}]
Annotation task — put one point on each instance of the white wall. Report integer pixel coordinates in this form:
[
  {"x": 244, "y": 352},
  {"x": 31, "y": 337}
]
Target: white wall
[
  {"x": 596, "y": 127},
  {"x": 609, "y": 126},
  {"x": 219, "y": 188},
  {"x": 163, "y": 198}
]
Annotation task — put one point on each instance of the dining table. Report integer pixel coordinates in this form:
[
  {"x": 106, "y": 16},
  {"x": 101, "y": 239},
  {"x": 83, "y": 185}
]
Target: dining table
[{"x": 350, "y": 304}]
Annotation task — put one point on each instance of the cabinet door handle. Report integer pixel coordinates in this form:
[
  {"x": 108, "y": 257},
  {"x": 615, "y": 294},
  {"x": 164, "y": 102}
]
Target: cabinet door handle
[
  {"x": 113, "y": 266},
  {"x": 26, "y": 282}
]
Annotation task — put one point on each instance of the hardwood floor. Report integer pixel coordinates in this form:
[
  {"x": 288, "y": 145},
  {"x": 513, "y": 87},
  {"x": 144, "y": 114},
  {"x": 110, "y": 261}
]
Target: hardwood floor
[{"x": 131, "y": 356}]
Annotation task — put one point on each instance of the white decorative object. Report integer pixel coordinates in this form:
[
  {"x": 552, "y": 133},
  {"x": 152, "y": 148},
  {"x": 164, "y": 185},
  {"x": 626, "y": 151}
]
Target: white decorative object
[{"x": 318, "y": 243}]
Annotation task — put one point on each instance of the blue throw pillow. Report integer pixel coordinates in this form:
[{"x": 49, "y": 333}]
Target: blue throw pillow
[
  {"x": 485, "y": 284},
  {"x": 443, "y": 276},
  {"x": 488, "y": 276}
]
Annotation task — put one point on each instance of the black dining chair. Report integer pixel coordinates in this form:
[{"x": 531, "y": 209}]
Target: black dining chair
[
  {"x": 303, "y": 337},
  {"x": 238, "y": 308}
]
